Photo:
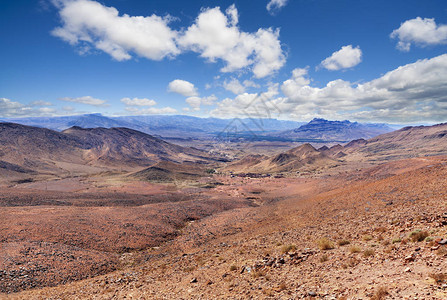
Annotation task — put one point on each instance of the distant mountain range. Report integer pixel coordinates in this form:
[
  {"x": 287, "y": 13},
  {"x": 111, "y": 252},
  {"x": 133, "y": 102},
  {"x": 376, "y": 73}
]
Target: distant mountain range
[
  {"x": 177, "y": 126},
  {"x": 341, "y": 131},
  {"x": 26, "y": 151},
  {"x": 187, "y": 127}
]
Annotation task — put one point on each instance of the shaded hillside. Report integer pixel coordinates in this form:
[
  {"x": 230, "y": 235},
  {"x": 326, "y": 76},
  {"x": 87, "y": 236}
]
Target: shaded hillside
[
  {"x": 321, "y": 129},
  {"x": 24, "y": 149},
  {"x": 166, "y": 171},
  {"x": 122, "y": 145},
  {"x": 408, "y": 142},
  {"x": 301, "y": 157},
  {"x": 38, "y": 148},
  {"x": 404, "y": 143}
]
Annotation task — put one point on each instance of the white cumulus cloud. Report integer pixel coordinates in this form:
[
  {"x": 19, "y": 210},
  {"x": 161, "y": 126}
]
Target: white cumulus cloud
[
  {"x": 89, "y": 100},
  {"x": 411, "y": 93},
  {"x": 249, "y": 105},
  {"x": 196, "y": 102},
  {"x": 88, "y": 23},
  {"x": 138, "y": 102},
  {"x": 346, "y": 57},
  {"x": 234, "y": 86},
  {"x": 215, "y": 35},
  {"x": 275, "y": 5},
  {"x": 421, "y": 32},
  {"x": 9, "y": 109},
  {"x": 183, "y": 87}
]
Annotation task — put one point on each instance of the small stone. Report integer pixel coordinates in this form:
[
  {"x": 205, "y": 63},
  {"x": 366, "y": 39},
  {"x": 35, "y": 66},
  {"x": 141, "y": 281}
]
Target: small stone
[
  {"x": 407, "y": 270},
  {"x": 312, "y": 294},
  {"x": 194, "y": 280},
  {"x": 409, "y": 258},
  {"x": 442, "y": 242}
]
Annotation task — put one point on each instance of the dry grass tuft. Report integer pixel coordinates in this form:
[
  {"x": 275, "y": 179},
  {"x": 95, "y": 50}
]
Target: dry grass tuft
[
  {"x": 442, "y": 251},
  {"x": 352, "y": 262},
  {"x": 282, "y": 287},
  {"x": 439, "y": 277},
  {"x": 367, "y": 237},
  {"x": 380, "y": 229},
  {"x": 324, "y": 258},
  {"x": 258, "y": 273},
  {"x": 355, "y": 249},
  {"x": 288, "y": 248},
  {"x": 380, "y": 293},
  {"x": 418, "y": 236},
  {"x": 343, "y": 242},
  {"x": 369, "y": 252},
  {"x": 325, "y": 244}
]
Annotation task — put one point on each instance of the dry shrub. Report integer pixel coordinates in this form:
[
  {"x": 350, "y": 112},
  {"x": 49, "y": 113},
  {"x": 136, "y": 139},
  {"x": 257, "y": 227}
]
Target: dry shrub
[
  {"x": 189, "y": 269},
  {"x": 367, "y": 238},
  {"x": 324, "y": 258},
  {"x": 418, "y": 236},
  {"x": 282, "y": 286},
  {"x": 325, "y": 244},
  {"x": 442, "y": 251},
  {"x": 380, "y": 229},
  {"x": 368, "y": 252},
  {"x": 380, "y": 293},
  {"x": 288, "y": 248},
  {"x": 355, "y": 249},
  {"x": 352, "y": 262},
  {"x": 439, "y": 277},
  {"x": 343, "y": 242},
  {"x": 258, "y": 273}
]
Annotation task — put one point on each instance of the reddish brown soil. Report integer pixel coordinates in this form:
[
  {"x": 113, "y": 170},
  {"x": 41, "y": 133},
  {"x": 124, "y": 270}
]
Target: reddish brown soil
[
  {"x": 49, "y": 238},
  {"x": 288, "y": 247}
]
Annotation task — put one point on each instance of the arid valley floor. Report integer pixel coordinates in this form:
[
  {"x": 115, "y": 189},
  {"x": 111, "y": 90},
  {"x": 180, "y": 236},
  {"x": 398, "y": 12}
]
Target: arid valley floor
[{"x": 359, "y": 221}]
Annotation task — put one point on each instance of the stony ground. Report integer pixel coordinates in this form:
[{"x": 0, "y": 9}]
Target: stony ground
[{"x": 378, "y": 233}]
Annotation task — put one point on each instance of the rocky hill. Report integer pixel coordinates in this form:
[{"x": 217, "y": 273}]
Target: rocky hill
[
  {"x": 304, "y": 156},
  {"x": 321, "y": 129},
  {"x": 404, "y": 143},
  {"x": 25, "y": 149}
]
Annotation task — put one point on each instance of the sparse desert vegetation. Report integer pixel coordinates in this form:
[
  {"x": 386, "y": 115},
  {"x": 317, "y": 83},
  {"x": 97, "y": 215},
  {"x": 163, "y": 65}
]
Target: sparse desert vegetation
[{"x": 219, "y": 235}]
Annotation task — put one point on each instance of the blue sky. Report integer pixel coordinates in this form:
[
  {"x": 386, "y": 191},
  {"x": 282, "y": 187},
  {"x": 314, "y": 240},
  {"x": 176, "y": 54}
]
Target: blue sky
[{"x": 370, "y": 61}]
